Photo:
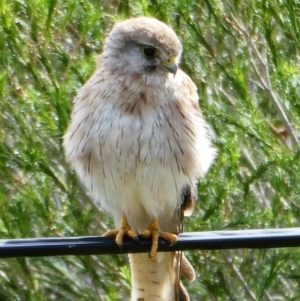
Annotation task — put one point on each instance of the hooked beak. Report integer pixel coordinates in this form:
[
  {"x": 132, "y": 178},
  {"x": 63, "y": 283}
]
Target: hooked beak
[{"x": 171, "y": 65}]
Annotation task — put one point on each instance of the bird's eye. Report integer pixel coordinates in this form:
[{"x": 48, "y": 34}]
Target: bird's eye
[{"x": 149, "y": 52}]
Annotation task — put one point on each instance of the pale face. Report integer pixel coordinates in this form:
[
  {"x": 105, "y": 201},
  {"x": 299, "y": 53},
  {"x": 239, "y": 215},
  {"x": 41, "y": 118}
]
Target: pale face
[{"x": 141, "y": 52}]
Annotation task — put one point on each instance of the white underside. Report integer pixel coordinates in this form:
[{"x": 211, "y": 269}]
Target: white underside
[
  {"x": 136, "y": 156},
  {"x": 146, "y": 194}
]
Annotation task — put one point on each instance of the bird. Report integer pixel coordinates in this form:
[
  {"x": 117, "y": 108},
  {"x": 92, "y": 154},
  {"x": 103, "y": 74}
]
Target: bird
[{"x": 139, "y": 143}]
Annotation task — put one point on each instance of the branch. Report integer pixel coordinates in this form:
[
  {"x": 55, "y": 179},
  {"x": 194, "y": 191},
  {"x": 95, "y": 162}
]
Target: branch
[{"x": 261, "y": 70}]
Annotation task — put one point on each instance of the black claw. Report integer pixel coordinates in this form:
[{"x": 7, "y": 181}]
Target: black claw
[
  {"x": 120, "y": 247},
  {"x": 136, "y": 239},
  {"x": 173, "y": 243}
]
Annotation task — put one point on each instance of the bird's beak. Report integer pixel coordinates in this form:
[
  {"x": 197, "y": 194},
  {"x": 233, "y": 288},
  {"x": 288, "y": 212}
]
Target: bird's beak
[{"x": 171, "y": 65}]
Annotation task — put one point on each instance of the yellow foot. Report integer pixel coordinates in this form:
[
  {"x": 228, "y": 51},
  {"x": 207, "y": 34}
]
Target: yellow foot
[
  {"x": 154, "y": 232},
  {"x": 120, "y": 233}
]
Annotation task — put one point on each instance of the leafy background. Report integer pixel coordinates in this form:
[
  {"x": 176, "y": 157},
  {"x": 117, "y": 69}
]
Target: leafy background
[{"x": 244, "y": 58}]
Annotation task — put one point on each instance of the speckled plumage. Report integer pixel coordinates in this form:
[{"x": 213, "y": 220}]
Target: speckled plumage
[{"x": 137, "y": 140}]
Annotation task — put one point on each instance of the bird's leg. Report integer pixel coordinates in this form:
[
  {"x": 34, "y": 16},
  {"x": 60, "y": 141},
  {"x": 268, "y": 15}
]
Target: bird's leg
[
  {"x": 122, "y": 231},
  {"x": 154, "y": 232}
]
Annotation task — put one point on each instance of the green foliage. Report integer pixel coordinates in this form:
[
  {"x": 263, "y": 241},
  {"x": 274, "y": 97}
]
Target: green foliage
[{"x": 243, "y": 56}]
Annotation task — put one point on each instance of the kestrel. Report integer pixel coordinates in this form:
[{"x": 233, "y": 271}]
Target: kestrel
[{"x": 138, "y": 141}]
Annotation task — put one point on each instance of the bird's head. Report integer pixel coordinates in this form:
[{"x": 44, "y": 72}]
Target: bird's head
[{"x": 143, "y": 47}]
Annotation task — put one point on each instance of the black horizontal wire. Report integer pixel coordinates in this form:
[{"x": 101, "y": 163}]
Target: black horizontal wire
[{"x": 96, "y": 245}]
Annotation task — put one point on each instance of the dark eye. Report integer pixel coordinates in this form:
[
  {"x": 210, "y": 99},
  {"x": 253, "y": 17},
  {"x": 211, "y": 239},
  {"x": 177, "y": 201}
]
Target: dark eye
[{"x": 149, "y": 52}]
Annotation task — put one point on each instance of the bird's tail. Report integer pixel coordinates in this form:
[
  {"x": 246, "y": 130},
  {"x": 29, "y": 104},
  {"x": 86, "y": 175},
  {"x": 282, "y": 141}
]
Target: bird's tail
[{"x": 157, "y": 278}]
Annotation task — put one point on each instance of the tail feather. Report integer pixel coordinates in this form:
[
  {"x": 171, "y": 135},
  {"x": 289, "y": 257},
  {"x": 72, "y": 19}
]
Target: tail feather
[
  {"x": 188, "y": 272},
  {"x": 183, "y": 294},
  {"x": 156, "y": 279}
]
